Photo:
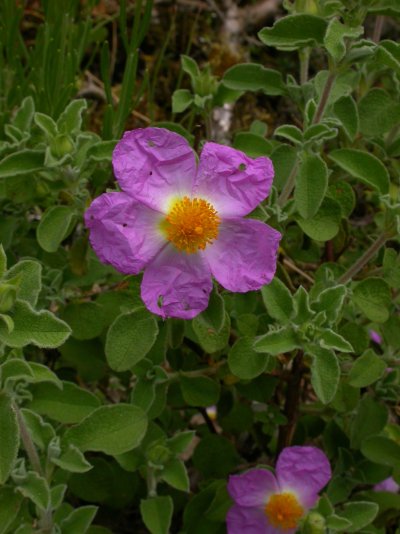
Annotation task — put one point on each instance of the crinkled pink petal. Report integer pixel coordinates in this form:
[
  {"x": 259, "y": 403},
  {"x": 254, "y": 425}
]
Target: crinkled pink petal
[
  {"x": 123, "y": 232},
  {"x": 154, "y": 165},
  {"x": 243, "y": 257},
  {"x": 242, "y": 520},
  {"x": 389, "y": 484},
  {"x": 252, "y": 488},
  {"x": 304, "y": 470},
  {"x": 176, "y": 284},
  {"x": 234, "y": 183}
]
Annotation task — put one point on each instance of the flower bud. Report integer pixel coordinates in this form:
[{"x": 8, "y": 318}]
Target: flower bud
[
  {"x": 315, "y": 524},
  {"x": 61, "y": 145}
]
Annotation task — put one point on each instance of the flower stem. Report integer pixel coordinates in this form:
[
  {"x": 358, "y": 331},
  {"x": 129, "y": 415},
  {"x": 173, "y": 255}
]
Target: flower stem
[
  {"x": 324, "y": 98},
  {"x": 364, "y": 259},
  {"x": 292, "y": 402},
  {"x": 46, "y": 519},
  {"x": 304, "y": 57},
  {"x": 376, "y": 37},
  {"x": 289, "y": 185},
  {"x": 29, "y": 446}
]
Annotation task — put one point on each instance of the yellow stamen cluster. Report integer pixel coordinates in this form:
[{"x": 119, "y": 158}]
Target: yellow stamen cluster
[
  {"x": 191, "y": 224},
  {"x": 283, "y": 510}
]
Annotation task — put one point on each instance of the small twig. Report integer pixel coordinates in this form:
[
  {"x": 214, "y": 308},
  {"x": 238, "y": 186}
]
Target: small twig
[
  {"x": 294, "y": 267},
  {"x": 207, "y": 420},
  {"x": 289, "y": 185},
  {"x": 376, "y": 37},
  {"x": 364, "y": 259},
  {"x": 324, "y": 98},
  {"x": 27, "y": 441},
  {"x": 291, "y": 409},
  {"x": 304, "y": 56}
]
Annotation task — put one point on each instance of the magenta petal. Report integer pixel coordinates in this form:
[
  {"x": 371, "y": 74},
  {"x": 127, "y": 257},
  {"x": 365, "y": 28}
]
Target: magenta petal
[
  {"x": 241, "y": 520},
  {"x": 154, "y": 165},
  {"x": 389, "y": 484},
  {"x": 304, "y": 470},
  {"x": 123, "y": 232},
  {"x": 243, "y": 257},
  {"x": 176, "y": 284},
  {"x": 234, "y": 183},
  {"x": 252, "y": 488}
]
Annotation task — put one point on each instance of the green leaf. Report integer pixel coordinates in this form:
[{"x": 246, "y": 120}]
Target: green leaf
[
  {"x": 292, "y": 133},
  {"x": 277, "y": 342},
  {"x": 54, "y": 227},
  {"x": 22, "y": 162},
  {"x": 181, "y": 441},
  {"x": 129, "y": 339},
  {"x": 157, "y": 513},
  {"x": 190, "y": 67},
  {"x": 311, "y": 185},
  {"x": 391, "y": 268},
  {"x": 278, "y": 301},
  {"x": 42, "y": 433},
  {"x": 24, "y": 115},
  {"x": 70, "y": 120},
  {"x": 15, "y": 369},
  {"x": 30, "y": 283},
  {"x": 110, "y": 429},
  {"x": 381, "y": 450},
  {"x": 209, "y": 339},
  {"x": 284, "y": 158},
  {"x": 73, "y": 461},
  {"x": 325, "y": 374},
  {"x": 215, "y": 456},
  {"x": 35, "y": 488},
  {"x": 101, "y": 151},
  {"x": 331, "y": 302},
  {"x": 345, "y": 109},
  {"x": 331, "y": 340},
  {"x": 181, "y": 100},
  {"x": 319, "y": 132},
  {"x": 388, "y": 53},
  {"x": 244, "y": 361},
  {"x": 46, "y": 124},
  {"x": 70, "y": 404},
  {"x": 360, "y": 514},
  {"x": 370, "y": 419},
  {"x": 252, "y": 144},
  {"x": 199, "y": 390},
  {"x": 3, "y": 261},
  {"x": 254, "y": 77},
  {"x": 40, "y": 328},
  {"x": 378, "y": 113},
  {"x": 294, "y": 31},
  {"x": 337, "y": 523},
  {"x": 79, "y": 520},
  {"x": 41, "y": 373},
  {"x": 373, "y": 297},
  {"x": 9, "y": 432},
  {"x": 343, "y": 194},
  {"x": 334, "y": 40},
  {"x": 366, "y": 370},
  {"x": 364, "y": 166},
  {"x": 324, "y": 225},
  {"x": 175, "y": 474},
  {"x": 214, "y": 316},
  {"x": 86, "y": 319},
  {"x": 10, "y": 504}
]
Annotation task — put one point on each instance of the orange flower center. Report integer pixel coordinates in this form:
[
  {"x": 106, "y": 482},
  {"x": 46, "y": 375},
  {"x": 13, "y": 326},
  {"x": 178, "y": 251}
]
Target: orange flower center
[
  {"x": 191, "y": 224},
  {"x": 283, "y": 510}
]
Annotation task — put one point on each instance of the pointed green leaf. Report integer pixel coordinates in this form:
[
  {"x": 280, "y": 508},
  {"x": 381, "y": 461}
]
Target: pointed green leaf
[
  {"x": 157, "y": 514},
  {"x": 325, "y": 374},
  {"x": 9, "y": 432},
  {"x": 311, "y": 185},
  {"x": 364, "y": 166}
]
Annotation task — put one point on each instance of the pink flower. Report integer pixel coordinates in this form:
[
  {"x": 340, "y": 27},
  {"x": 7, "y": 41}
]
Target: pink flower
[
  {"x": 389, "y": 484},
  {"x": 182, "y": 223},
  {"x": 376, "y": 338},
  {"x": 268, "y": 504}
]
